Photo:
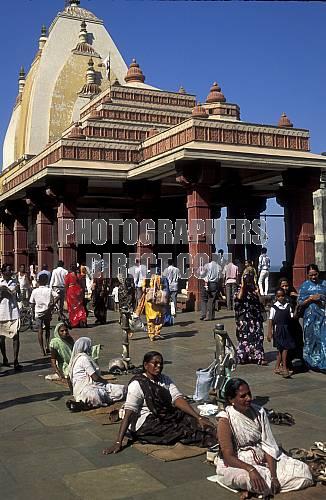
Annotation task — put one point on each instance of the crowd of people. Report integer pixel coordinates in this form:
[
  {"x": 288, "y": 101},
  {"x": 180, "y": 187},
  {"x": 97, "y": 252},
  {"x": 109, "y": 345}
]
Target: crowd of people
[{"x": 155, "y": 411}]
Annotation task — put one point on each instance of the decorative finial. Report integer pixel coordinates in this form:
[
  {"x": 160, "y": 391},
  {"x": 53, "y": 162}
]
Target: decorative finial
[
  {"x": 43, "y": 38},
  {"x": 284, "y": 121},
  {"x": 74, "y": 3},
  {"x": 182, "y": 90},
  {"x": 199, "y": 111},
  {"x": 215, "y": 94},
  {"x": 90, "y": 88},
  {"x": 134, "y": 73},
  {"x": 90, "y": 73},
  {"x": 21, "y": 80},
  {"x": 83, "y": 33}
]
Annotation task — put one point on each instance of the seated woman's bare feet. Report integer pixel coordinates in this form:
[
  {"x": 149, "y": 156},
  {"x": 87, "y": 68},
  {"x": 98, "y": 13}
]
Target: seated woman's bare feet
[{"x": 244, "y": 495}]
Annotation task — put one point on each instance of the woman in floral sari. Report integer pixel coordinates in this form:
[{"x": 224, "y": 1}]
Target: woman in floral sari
[
  {"x": 249, "y": 321},
  {"x": 312, "y": 298},
  {"x": 75, "y": 295},
  {"x": 250, "y": 460}
]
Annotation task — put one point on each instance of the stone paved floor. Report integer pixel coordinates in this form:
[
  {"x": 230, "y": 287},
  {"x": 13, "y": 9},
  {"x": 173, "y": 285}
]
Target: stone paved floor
[{"x": 47, "y": 452}]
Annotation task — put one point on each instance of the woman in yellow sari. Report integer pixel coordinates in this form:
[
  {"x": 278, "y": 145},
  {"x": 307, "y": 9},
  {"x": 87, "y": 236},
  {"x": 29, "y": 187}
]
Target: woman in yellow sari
[{"x": 153, "y": 310}]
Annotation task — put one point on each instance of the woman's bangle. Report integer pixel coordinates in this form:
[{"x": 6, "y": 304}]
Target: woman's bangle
[{"x": 251, "y": 470}]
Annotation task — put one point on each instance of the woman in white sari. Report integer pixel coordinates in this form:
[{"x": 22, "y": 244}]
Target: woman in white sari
[
  {"x": 85, "y": 376},
  {"x": 250, "y": 459}
]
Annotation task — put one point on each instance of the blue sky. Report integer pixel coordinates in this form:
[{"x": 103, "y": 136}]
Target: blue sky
[{"x": 268, "y": 57}]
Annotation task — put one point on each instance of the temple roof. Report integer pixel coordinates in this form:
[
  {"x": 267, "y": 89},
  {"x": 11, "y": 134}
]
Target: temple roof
[{"x": 77, "y": 12}]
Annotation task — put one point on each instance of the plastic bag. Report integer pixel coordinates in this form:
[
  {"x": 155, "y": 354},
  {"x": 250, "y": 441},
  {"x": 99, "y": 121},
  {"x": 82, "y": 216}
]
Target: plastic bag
[
  {"x": 136, "y": 324},
  {"x": 204, "y": 382}
]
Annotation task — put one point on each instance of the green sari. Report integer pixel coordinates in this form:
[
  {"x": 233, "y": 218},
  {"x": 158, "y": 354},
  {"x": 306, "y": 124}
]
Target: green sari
[{"x": 64, "y": 350}]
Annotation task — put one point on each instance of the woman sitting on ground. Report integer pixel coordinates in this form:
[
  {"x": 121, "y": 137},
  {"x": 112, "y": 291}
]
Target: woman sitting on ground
[
  {"x": 61, "y": 347},
  {"x": 85, "y": 376},
  {"x": 157, "y": 413},
  {"x": 250, "y": 459}
]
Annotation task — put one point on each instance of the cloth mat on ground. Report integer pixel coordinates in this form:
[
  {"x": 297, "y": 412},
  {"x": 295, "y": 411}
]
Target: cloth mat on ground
[
  {"x": 103, "y": 415},
  {"x": 168, "y": 453}
]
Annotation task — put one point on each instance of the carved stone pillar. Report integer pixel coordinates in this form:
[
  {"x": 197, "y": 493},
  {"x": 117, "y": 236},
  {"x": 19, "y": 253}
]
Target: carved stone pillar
[
  {"x": 7, "y": 240},
  {"x": 44, "y": 239},
  {"x": 20, "y": 244},
  {"x": 296, "y": 196},
  {"x": 197, "y": 179},
  {"x": 67, "y": 250},
  {"x": 319, "y": 200},
  {"x": 145, "y": 195}
]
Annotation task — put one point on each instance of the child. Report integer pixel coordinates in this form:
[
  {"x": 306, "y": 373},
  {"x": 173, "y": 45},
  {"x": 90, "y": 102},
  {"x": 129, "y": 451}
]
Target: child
[
  {"x": 279, "y": 329},
  {"x": 41, "y": 301},
  {"x": 115, "y": 295}
]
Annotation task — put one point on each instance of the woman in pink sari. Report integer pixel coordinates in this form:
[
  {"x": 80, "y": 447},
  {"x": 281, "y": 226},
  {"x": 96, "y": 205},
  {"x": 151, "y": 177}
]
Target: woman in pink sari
[{"x": 75, "y": 298}]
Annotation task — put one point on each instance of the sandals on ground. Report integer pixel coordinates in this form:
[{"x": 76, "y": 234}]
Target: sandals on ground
[{"x": 279, "y": 418}]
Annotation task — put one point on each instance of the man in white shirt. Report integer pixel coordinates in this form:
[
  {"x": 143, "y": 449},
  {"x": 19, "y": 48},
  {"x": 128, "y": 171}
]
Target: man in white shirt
[
  {"x": 264, "y": 264},
  {"x": 9, "y": 315},
  {"x": 211, "y": 273},
  {"x": 25, "y": 284},
  {"x": 231, "y": 276},
  {"x": 57, "y": 283},
  {"x": 139, "y": 273},
  {"x": 45, "y": 270},
  {"x": 41, "y": 300},
  {"x": 173, "y": 275}
]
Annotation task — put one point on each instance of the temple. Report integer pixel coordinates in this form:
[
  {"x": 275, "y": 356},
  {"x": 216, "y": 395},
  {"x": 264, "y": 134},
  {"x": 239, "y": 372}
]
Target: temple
[{"x": 88, "y": 138}]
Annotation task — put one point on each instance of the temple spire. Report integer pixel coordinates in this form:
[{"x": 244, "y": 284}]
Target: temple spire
[
  {"x": 91, "y": 87},
  {"x": 83, "y": 32},
  {"x": 43, "y": 38},
  {"x": 21, "y": 80},
  {"x": 90, "y": 73}
]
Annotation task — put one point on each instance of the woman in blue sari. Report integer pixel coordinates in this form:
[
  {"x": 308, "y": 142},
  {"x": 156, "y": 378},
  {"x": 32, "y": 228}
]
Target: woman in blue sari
[{"x": 312, "y": 297}]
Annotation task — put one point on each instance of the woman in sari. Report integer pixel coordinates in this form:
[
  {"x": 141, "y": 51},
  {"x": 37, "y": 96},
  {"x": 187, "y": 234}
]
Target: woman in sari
[
  {"x": 250, "y": 459},
  {"x": 85, "y": 376},
  {"x": 100, "y": 298},
  {"x": 61, "y": 348},
  {"x": 249, "y": 321},
  {"x": 157, "y": 413},
  {"x": 75, "y": 295},
  {"x": 154, "y": 312},
  {"x": 312, "y": 297}
]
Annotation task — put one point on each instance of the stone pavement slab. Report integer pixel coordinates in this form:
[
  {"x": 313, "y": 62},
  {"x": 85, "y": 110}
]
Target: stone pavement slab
[
  {"x": 113, "y": 482},
  {"x": 46, "y": 451}
]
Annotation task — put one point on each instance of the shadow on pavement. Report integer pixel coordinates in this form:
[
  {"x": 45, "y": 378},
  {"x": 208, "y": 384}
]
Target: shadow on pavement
[{"x": 32, "y": 398}]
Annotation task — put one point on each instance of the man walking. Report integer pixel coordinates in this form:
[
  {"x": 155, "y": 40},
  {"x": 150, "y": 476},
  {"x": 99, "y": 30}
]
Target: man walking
[
  {"x": 57, "y": 283},
  {"x": 138, "y": 272},
  {"x": 25, "y": 284},
  {"x": 173, "y": 275},
  {"x": 9, "y": 315},
  {"x": 264, "y": 264},
  {"x": 231, "y": 277},
  {"x": 211, "y": 273}
]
